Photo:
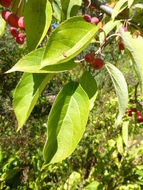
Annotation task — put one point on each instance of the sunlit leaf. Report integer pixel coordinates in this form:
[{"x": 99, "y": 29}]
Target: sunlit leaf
[
  {"x": 121, "y": 89},
  {"x": 119, "y": 7},
  {"x": 66, "y": 122},
  {"x": 94, "y": 185},
  {"x": 134, "y": 47},
  {"x": 125, "y": 132},
  {"x": 120, "y": 144},
  {"x": 72, "y": 181},
  {"x": 27, "y": 93},
  {"x": 31, "y": 63},
  {"x": 2, "y": 26},
  {"x": 130, "y": 3},
  {"x": 68, "y": 40}
]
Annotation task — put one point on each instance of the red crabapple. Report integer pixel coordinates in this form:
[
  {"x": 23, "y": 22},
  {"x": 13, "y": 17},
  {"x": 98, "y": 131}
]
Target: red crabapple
[
  {"x": 21, "y": 35},
  {"x": 13, "y": 20},
  {"x": 129, "y": 112},
  {"x": 138, "y": 113},
  {"x": 5, "y": 15},
  {"x": 94, "y": 20},
  {"x": 97, "y": 63},
  {"x": 134, "y": 109},
  {"x": 121, "y": 46},
  {"x": 140, "y": 119},
  {"x": 5, "y": 3},
  {"x": 89, "y": 57},
  {"x": 14, "y": 31},
  {"x": 87, "y": 18},
  {"x": 21, "y": 22},
  {"x": 19, "y": 40}
]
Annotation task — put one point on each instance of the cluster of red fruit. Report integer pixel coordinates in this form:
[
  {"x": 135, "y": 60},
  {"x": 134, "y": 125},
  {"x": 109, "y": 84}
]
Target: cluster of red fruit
[
  {"x": 130, "y": 112},
  {"x": 96, "y": 63},
  {"x": 16, "y": 24},
  {"x": 93, "y": 20}
]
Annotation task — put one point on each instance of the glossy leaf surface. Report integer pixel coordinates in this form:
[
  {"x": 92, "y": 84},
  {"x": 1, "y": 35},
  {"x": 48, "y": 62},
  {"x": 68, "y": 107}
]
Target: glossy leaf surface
[
  {"x": 68, "y": 40},
  {"x": 26, "y": 95},
  {"x": 31, "y": 63},
  {"x": 66, "y": 122}
]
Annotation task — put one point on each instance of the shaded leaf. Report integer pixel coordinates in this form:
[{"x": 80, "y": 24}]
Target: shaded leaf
[
  {"x": 37, "y": 18},
  {"x": 137, "y": 14},
  {"x": 73, "y": 8},
  {"x": 89, "y": 85},
  {"x": 17, "y": 7},
  {"x": 65, "y": 4},
  {"x": 66, "y": 122}
]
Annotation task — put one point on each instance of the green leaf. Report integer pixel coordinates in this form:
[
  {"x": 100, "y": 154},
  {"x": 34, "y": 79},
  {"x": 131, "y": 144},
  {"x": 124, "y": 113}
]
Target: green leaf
[
  {"x": 37, "y": 18},
  {"x": 73, "y": 180},
  {"x": 130, "y": 3},
  {"x": 64, "y": 4},
  {"x": 27, "y": 93},
  {"x": 17, "y": 7},
  {"x": 57, "y": 10},
  {"x": 120, "y": 88},
  {"x": 139, "y": 5},
  {"x": 66, "y": 122},
  {"x": 68, "y": 40},
  {"x": 31, "y": 63},
  {"x": 120, "y": 144},
  {"x": 1, "y": 155},
  {"x": 92, "y": 186},
  {"x": 73, "y": 8},
  {"x": 89, "y": 85},
  {"x": 2, "y": 26},
  {"x": 119, "y": 7},
  {"x": 70, "y": 8},
  {"x": 137, "y": 14},
  {"x": 139, "y": 172},
  {"x": 125, "y": 132},
  {"x": 134, "y": 47}
]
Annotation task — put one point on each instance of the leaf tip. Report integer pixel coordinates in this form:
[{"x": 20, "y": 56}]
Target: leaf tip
[{"x": 10, "y": 70}]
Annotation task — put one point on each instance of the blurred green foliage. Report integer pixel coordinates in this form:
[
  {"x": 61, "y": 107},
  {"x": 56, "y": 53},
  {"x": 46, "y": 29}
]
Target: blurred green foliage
[{"x": 106, "y": 157}]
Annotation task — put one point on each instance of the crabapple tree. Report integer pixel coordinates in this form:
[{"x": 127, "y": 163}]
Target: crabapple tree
[{"x": 69, "y": 27}]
